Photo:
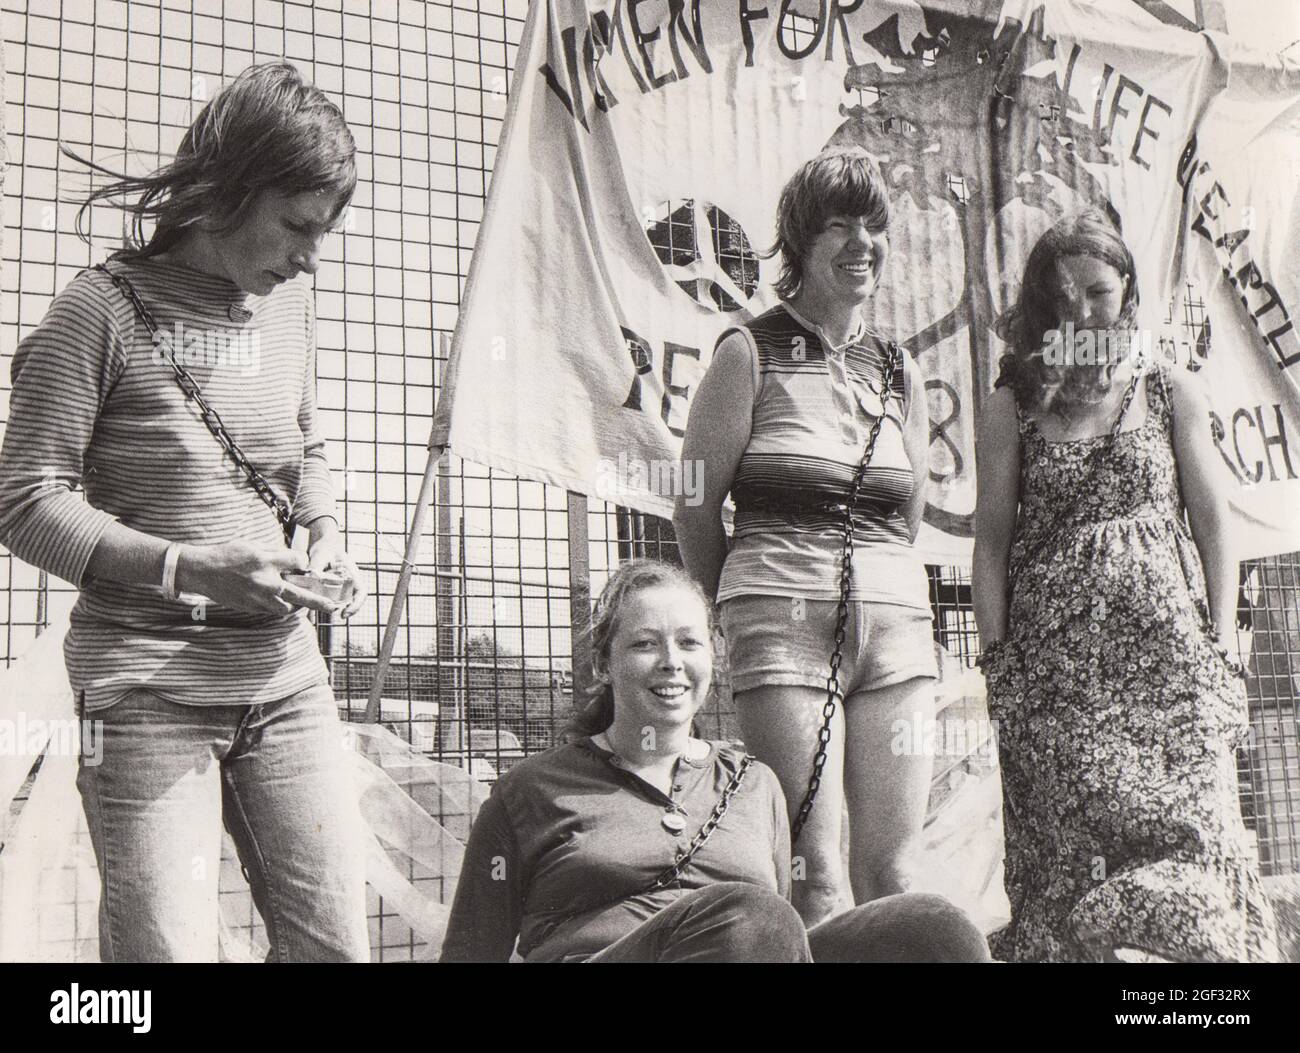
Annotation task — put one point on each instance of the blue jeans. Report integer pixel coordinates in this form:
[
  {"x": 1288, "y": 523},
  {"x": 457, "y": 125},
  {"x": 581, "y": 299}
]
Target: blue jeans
[{"x": 278, "y": 775}]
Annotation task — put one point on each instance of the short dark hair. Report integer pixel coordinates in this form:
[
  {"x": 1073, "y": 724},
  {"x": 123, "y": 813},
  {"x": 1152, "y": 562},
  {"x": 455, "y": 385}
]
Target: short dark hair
[
  {"x": 268, "y": 129},
  {"x": 839, "y": 181}
]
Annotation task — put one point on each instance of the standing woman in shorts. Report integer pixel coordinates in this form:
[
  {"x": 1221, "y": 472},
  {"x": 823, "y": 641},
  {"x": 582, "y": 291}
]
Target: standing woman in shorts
[
  {"x": 186, "y": 641},
  {"x": 782, "y": 420}
]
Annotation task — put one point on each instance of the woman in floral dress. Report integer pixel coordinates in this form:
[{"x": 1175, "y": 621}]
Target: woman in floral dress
[{"x": 1103, "y": 579}]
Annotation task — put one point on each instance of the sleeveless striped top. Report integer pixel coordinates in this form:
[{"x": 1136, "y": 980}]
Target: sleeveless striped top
[{"x": 814, "y": 407}]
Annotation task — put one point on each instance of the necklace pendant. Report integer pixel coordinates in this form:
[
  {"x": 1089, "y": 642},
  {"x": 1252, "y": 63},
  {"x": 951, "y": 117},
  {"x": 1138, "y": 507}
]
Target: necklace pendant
[
  {"x": 673, "y": 822},
  {"x": 875, "y": 405}
]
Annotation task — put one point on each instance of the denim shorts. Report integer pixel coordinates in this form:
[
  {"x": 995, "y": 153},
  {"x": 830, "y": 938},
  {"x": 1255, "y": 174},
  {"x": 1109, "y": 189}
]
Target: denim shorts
[{"x": 787, "y": 640}]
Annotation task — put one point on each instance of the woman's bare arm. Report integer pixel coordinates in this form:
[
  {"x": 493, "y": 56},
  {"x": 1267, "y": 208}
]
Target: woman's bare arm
[
  {"x": 997, "y": 498},
  {"x": 1203, "y": 484},
  {"x": 916, "y": 438},
  {"x": 717, "y": 433}
]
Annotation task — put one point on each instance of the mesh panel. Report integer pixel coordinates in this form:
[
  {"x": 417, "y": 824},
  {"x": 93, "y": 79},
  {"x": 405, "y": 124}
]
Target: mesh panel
[{"x": 482, "y": 670}]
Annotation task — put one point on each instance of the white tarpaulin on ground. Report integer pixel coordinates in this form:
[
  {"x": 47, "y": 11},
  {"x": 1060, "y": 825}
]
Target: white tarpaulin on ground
[{"x": 645, "y": 147}]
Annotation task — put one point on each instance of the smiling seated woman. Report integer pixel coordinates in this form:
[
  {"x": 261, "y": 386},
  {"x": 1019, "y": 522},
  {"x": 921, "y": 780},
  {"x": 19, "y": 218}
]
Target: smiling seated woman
[{"x": 577, "y": 854}]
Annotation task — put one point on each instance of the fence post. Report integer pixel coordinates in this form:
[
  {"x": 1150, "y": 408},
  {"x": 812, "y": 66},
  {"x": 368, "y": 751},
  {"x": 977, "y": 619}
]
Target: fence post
[
  {"x": 398, "y": 608},
  {"x": 579, "y": 596}
]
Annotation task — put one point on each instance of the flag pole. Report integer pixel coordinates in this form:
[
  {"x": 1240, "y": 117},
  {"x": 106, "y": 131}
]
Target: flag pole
[{"x": 403, "y": 581}]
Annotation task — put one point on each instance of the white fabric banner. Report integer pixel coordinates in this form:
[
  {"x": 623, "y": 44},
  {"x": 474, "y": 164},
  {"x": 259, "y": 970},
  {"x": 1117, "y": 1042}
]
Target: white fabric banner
[
  {"x": 646, "y": 145},
  {"x": 1243, "y": 233}
]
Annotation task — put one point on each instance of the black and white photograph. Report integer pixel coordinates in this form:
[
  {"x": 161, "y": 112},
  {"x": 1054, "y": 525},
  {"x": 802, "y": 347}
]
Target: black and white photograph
[{"x": 651, "y": 481}]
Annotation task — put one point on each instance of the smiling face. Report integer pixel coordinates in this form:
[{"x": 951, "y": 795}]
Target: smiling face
[
  {"x": 280, "y": 238},
  {"x": 844, "y": 262},
  {"x": 1089, "y": 292},
  {"x": 660, "y": 661}
]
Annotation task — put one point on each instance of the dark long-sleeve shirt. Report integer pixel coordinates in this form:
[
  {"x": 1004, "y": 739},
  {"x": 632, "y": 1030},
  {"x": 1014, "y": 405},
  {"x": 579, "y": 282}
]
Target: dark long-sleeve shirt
[
  {"x": 567, "y": 839},
  {"x": 95, "y": 404}
]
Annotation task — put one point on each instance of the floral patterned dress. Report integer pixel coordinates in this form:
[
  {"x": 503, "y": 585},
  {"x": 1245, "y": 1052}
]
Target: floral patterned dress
[{"x": 1117, "y": 717}]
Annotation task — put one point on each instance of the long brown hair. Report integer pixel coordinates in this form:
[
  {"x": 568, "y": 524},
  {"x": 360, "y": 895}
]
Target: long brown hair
[
  {"x": 1060, "y": 388},
  {"x": 597, "y": 714},
  {"x": 267, "y": 130}
]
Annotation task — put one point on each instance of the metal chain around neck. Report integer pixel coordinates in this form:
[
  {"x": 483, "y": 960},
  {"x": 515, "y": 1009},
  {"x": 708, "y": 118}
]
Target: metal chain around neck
[
  {"x": 842, "y": 610},
  {"x": 211, "y": 418}
]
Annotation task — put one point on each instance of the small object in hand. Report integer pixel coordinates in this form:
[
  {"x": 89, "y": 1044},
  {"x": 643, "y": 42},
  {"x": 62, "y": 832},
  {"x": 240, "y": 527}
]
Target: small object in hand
[{"x": 334, "y": 587}]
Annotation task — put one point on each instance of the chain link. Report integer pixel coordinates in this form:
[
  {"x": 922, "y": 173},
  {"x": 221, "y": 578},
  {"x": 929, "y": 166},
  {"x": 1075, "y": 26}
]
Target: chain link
[
  {"x": 211, "y": 418},
  {"x": 842, "y": 611},
  {"x": 674, "y": 872},
  {"x": 684, "y": 857}
]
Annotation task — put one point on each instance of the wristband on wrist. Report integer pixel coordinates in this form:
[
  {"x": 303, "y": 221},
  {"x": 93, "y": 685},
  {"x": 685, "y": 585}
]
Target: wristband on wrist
[{"x": 170, "y": 559}]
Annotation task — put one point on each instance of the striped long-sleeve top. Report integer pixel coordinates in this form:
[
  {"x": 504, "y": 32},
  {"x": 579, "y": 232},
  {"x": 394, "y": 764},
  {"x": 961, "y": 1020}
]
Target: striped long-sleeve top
[{"x": 95, "y": 404}]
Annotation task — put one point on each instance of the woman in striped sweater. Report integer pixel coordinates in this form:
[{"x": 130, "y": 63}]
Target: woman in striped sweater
[
  {"x": 186, "y": 641},
  {"x": 791, "y": 404}
]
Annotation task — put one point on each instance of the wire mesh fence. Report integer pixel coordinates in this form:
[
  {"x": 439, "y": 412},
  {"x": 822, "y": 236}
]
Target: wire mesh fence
[{"x": 483, "y": 671}]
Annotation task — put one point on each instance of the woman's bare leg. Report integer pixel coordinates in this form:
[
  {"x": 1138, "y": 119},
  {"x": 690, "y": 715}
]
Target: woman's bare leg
[
  {"x": 780, "y": 726},
  {"x": 887, "y": 787}
]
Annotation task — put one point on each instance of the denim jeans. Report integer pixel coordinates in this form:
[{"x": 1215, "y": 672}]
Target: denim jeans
[
  {"x": 906, "y": 927},
  {"x": 735, "y": 922},
  {"x": 277, "y": 774},
  {"x": 728, "y": 922}
]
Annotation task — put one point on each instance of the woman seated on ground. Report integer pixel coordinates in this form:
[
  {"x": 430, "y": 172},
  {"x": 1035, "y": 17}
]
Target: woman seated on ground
[{"x": 574, "y": 853}]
